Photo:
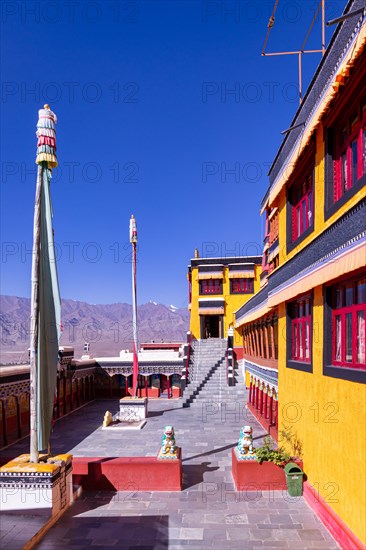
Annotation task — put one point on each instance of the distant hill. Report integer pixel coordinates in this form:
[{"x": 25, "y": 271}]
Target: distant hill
[{"x": 108, "y": 327}]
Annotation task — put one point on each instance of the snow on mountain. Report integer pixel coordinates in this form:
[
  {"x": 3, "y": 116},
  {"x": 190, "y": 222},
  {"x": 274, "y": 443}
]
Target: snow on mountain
[{"x": 107, "y": 327}]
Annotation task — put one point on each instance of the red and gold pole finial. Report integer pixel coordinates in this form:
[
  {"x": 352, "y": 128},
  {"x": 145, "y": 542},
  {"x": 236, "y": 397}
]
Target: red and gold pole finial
[
  {"x": 46, "y": 133},
  {"x": 133, "y": 230}
]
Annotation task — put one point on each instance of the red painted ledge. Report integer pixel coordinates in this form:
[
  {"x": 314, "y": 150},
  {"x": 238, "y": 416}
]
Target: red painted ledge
[
  {"x": 342, "y": 534},
  {"x": 127, "y": 473}
]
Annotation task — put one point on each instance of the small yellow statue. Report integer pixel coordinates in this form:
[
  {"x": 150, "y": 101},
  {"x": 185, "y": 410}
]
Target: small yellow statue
[{"x": 108, "y": 419}]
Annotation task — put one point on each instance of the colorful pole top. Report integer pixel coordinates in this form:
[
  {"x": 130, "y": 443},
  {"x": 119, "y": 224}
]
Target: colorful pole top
[
  {"x": 46, "y": 133},
  {"x": 133, "y": 230}
]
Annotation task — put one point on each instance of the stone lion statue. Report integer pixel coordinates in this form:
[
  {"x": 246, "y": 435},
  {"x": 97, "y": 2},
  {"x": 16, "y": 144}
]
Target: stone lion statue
[
  {"x": 168, "y": 441},
  {"x": 245, "y": 443}
]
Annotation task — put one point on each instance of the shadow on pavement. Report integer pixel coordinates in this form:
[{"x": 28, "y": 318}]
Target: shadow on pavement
[
  {"x": 193, "y": 473},
  {"x": 135, "y": 531}
]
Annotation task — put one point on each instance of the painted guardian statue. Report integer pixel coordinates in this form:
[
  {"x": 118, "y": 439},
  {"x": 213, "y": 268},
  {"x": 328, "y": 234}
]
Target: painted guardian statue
[
  {"x": 168, "y": 441},
  {"x": 245, "y": 443}
]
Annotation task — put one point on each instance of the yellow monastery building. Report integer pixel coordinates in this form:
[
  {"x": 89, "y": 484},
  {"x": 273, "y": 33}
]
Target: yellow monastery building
[
  {"x": 303, "y": 332},
  {"x": 217, "y": 287}
]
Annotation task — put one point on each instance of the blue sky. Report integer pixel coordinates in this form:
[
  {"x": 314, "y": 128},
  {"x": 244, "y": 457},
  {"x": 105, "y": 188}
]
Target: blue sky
[{"x": 165, "y": 110}]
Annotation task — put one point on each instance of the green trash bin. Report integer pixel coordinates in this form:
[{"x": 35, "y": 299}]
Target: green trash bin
[{"x": 294, "y": 477}]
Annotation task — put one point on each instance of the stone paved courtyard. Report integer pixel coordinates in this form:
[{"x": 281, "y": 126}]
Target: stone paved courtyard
[{"x": 208, "y": 513}]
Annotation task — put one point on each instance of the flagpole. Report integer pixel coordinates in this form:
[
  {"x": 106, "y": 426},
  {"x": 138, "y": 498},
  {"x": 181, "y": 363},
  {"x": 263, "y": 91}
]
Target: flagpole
[
  {"x": 133, "y": 240},
  {"x": 42, "y": 239},
  {"x": 34, "y": 455}
]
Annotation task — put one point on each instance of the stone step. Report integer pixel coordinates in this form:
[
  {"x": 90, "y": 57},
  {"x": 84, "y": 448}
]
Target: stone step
[
  {"x": 228, "y": 395},
  {"x": 206, "y": 360},
  {"x": 223, "y": 393},
  {"x": 209, "y": 351}
]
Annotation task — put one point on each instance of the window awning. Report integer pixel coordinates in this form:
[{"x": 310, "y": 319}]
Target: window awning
[
  {"x": 247, "y": 274},
  {"x": 211, "y": 310},
  {"x": 210, "y": 275},
  {"x": 253, "y": 314},
  {"x": 348, "y": 258},
  {"x": 211, "y": 307}
]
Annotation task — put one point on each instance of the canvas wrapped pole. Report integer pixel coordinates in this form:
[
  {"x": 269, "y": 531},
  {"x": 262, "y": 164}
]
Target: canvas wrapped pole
[
  {"x": 45, "y": 296},
  {"x": 133, "y": 241},
  {"x": 34, "y": 321},
  {"x": 49, "y": 330}
]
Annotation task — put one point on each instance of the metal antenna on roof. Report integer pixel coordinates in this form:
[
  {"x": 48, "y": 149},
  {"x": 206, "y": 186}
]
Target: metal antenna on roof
[{"x": 302, "y": 50}]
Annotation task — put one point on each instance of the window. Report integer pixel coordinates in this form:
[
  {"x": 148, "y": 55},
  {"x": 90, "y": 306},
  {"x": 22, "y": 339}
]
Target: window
[
  {"x": 348, "y": 324},
  {"x": 241, "y": 286},
  {"x": 349, "y": 153},
  {"x": 301, "y": 330},
  {"x": 301, "y": 200},
  {"x": 211, "y": 286},
  {"x": 273, "y": 227}
]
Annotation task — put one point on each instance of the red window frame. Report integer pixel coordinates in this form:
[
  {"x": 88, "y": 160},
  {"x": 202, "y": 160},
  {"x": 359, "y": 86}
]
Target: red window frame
[
  {"x": 301, "y": 330},
  {"x": 241, "y": 286},
  {"x": 347, "y": 305},
  {"x": 350, "y": 142},
  {"x": 302, "y": 206},
  {"x": 211, "y": 286}
]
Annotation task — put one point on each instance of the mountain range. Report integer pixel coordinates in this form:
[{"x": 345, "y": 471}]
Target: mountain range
[{"x": 107, "y": 327}]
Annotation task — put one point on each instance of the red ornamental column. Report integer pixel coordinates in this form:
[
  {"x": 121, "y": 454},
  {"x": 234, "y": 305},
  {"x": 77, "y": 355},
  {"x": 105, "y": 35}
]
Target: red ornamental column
[
  {"x": 168, "y": 377},
  {"x": 271, "y": 408},
  {"x": 261, "y": 398},
  {"x": 250, "y": 390},
  {"x": 126, "y": 385},
  {"x": 255, "y": 392},
  {"x": 266, "y": 402},
  {"x": 257, "y": 396}
]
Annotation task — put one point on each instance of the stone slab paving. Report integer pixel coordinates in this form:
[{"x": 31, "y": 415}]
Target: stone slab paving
[
  {"x": 208, "y": 513},
  {"x": 16, "y": 529}
]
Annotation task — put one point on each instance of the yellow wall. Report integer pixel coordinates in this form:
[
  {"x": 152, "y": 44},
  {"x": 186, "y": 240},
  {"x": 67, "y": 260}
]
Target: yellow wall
[
  {"x": 232, "y": 303},
  {"x": 319, "y": 224},
  {"x": 328, "y": 415},
  {"x": 194, "y": 323}
]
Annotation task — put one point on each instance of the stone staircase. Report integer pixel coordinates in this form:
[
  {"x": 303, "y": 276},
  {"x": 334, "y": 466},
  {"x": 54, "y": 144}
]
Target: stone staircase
[{"x": 207, "y": 376}]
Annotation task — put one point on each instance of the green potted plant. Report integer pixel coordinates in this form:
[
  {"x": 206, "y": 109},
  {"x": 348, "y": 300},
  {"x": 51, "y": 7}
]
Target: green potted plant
[{"x": 268, "y": 453}]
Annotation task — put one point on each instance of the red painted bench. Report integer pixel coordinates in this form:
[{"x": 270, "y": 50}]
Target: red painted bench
[{"x": 132, "y": 474}]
